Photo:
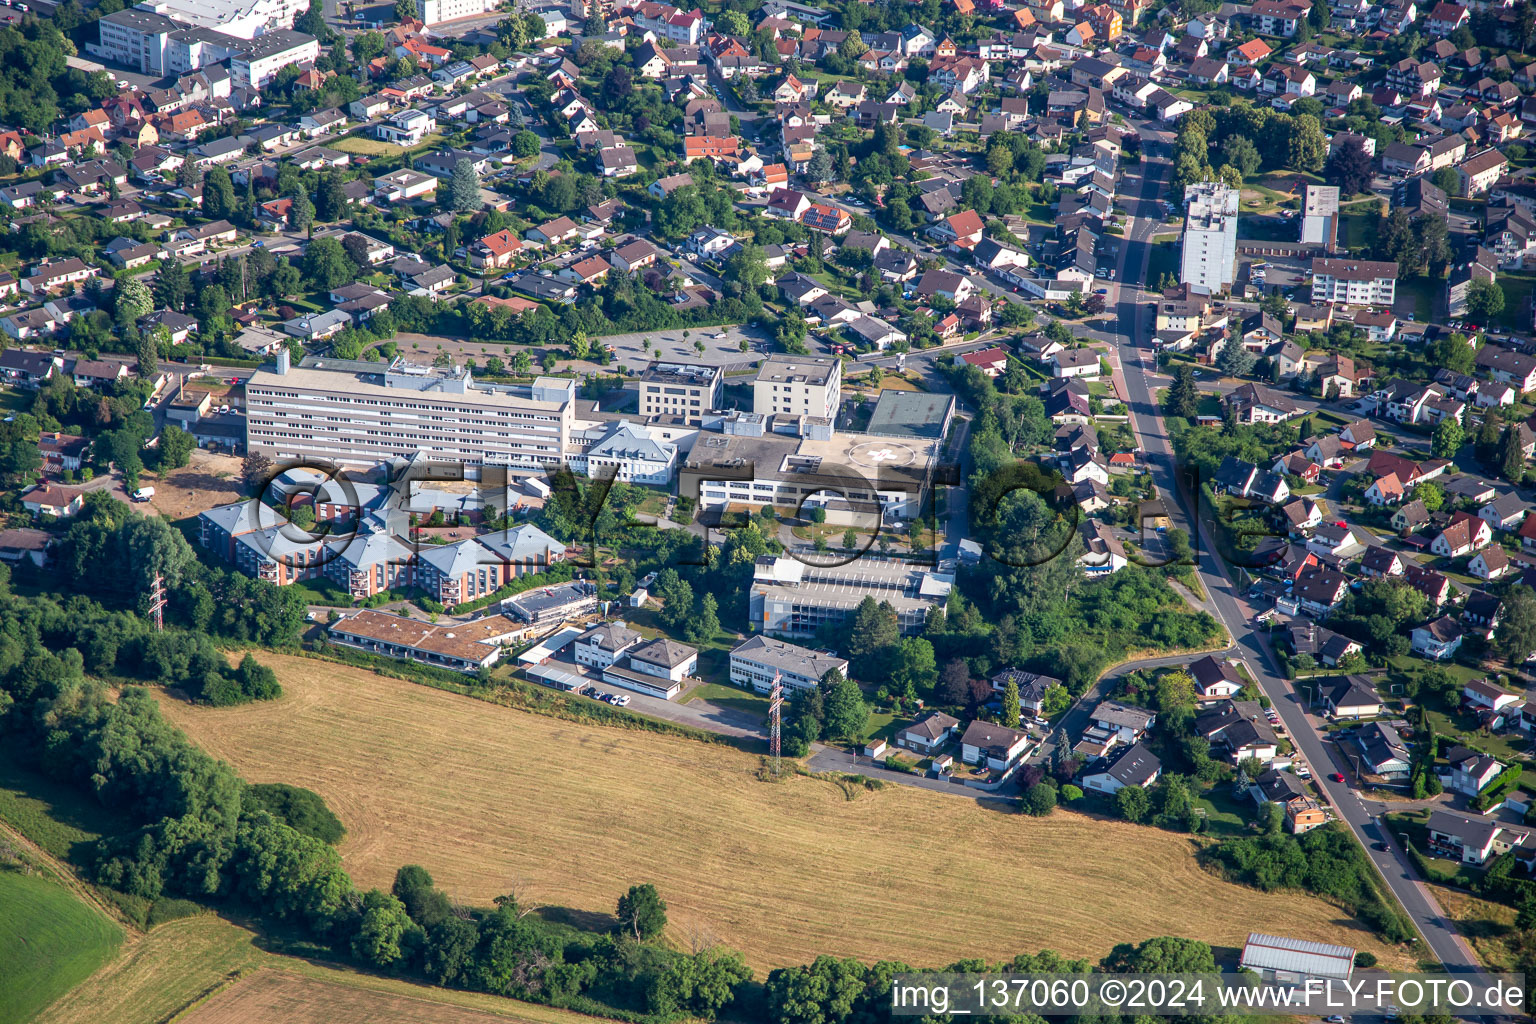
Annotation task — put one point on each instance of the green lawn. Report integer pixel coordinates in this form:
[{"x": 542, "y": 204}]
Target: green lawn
[
  {"x": 883, "y": 725},
  {"x": 1517, "y": 299},
  {"x": 1422, "y": 290},
  {"x": 54, "y": 815},
  {"x": 323, "y": 592},
  {"x": 1162, "y": 259},
  {"x": 49, "y": 943},
  {"x": 1225, "y": 815},
  {"x": 1358, "y": 229},
  {"x": 732, "y": 697},
  {"x": 1266, "y": 229},
  {"x": 654, "y": 501}
]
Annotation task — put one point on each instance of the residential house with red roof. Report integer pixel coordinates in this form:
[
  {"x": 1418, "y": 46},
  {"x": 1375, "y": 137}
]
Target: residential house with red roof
[
  {"x": 1250, "y": 54},
  {"x": 990, "y": 361},
  {"x": 1446, "y": 18},
  {"x": 710, "y": 147},
  {"x": 963, "y": 230},
  {"x": 495, "y": 250}
]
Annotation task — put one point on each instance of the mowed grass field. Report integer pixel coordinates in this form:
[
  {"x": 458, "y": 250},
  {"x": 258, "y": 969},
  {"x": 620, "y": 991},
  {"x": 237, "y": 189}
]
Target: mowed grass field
[
  {"x": 274, "y": 997},
  {"x": 489, "y": 799},
  {"x": 49, "y": 942}
]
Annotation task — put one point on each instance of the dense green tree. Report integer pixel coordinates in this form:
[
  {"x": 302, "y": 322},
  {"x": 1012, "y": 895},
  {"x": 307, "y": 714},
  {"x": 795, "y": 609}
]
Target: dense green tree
[
  {"x": 132, "y": 300},
  {"x": 915, "y": 670},
  {"x": 1133, "y": 803},
  {"x": 170, "y": 286},
  {"x": 380, "y": 929},
  {"x": 175, "y": 447},
  {"x": 525, "y": 144},
  {"x": 218, "y": 194},
  {"x": 331, "y": 199},
  {"x": 1451, "y": 351},
  {"x": 1447, "y": 439},
  {"x": 1515, "y": 636},
  {"x": 1162, "y": 955},
  {"x": 847, "y": 714},
  {"x": 872, "y": 635},
  {"x": 1349, "y": 168},
  {"x": 1235, "y": 360},
  {"x": 823, "y": 992},
  {"x": 1039, "y": 800},
  {"x": 641, "y": 912},
  {"x": 327, "y": 265},
  {"x": 1485, "y": 301}
]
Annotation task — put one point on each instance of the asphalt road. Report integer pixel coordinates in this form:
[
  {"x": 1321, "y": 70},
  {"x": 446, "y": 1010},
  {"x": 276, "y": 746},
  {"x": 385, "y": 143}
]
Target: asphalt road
[{"x": 1225, "y": 602}]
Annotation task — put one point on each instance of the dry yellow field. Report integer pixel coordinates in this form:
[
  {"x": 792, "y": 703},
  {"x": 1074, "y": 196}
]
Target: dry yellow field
[
  {"x": 491, "y": 799},
  {"x": 274, "y": 997},
  {"x": 1488, "y": 927}
]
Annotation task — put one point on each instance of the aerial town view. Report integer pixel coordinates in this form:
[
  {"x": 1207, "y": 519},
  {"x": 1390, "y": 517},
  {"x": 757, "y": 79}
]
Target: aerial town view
[{"x": 552, "y": 510}]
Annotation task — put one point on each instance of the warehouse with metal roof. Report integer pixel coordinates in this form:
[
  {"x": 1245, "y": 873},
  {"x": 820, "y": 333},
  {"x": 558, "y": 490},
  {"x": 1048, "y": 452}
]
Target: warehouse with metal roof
[{"x": 1276, "y": 958}]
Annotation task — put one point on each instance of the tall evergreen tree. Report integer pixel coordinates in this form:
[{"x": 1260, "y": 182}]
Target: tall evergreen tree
[
  {"x": 170, "y": 287},
  {"x": 1487, "y": 444},
  {"x": 1184, "y": 396},
  {"x": 464, "y": 188},
  {"x": 1511, "y": 455},
  {"x": 1011, "y": 707}
]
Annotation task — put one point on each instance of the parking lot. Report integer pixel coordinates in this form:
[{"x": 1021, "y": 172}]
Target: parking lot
[
  {"x": 1273, "y": 273},
  {"x": 722, "y": 346},
  {"x": 697, "y": 713}
]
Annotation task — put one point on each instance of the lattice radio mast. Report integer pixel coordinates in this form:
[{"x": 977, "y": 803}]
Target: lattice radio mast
[
  {"x": 157, "y": 602},
  {"x": 775, "y": 704}
]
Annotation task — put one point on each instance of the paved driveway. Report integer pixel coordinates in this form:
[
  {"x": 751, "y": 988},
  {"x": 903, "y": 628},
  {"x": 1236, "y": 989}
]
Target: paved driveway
[{"x": 832, "y": 759}]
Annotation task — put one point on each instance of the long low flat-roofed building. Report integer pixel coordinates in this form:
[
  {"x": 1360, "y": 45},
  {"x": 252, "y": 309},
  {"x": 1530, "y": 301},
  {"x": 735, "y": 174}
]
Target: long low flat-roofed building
[
  {"x": 867, "y": 473},
  {"x": 353, "y": 412},
  {"x": 465, "y": 646},
  {"x": 791, "y": 598},
  {"x": 1277, "y": 958},
  {"x": 553, "y": 604}
]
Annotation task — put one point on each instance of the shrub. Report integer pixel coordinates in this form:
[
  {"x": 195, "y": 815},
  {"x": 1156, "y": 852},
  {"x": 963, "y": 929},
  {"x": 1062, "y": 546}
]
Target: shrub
[
  {"x": 1040, "y": 800},
  {"x": 301, "y": 809}
]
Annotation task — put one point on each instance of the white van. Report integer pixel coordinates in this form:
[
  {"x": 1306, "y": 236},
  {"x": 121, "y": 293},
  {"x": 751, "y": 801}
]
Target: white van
[{"x": 143, "y": 494}]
